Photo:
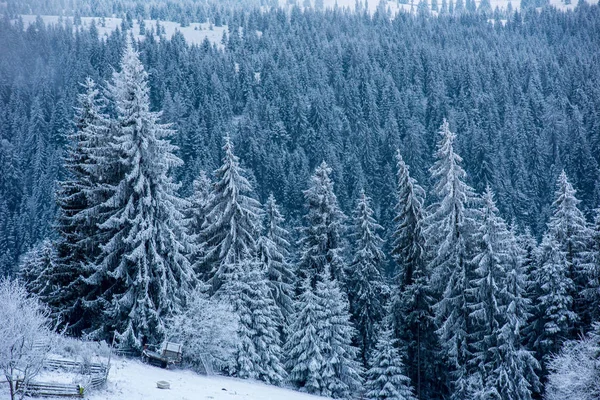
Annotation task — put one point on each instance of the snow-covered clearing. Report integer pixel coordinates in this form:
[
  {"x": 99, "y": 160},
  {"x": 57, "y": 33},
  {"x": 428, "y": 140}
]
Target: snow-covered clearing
[
  {"x": 133, "y": 380},
  {"x": 195, "y": 33}
]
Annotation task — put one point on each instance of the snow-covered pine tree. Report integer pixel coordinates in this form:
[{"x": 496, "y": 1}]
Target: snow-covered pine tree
[
  {"x": 385, "y": 379},
  {"x": 258, "y": 354},
  {"x": 321, "y": 241},
  {"x": 233, "y": 219},
  {"x": 195, "y": 217},
  {"x": 554, "y": 311},
  {"x": 490, "y": 260},
  {"x": 144, "y": 257},
  {"x": 499, "y": 311},
  {"x": 568, "y": 228},
  {"x": 274, "y": 253},
  {"x": 412, "y": 312},
  {"x": 449, "y": 232},
  {"x": 516, "y": 378},
  {"x": 304, "y": 347},
  {"x": 367, "y": 291},
  {"x": 340, "y": 371}
]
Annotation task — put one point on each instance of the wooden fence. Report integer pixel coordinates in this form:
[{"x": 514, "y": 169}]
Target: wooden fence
[{"x": 95, "y": 376}]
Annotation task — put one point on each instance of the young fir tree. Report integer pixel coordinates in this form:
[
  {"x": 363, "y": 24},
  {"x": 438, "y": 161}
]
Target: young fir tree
[
  {"x": 195, "y": 214},
  {"x": 79, "y": 200},
  {"x": 233, "y": 219},
  {"x": 340, "y": 371},
  {"x": 274, "y": 254},
  {"x": 321, "y": 241},
  {"x": 385, "y": 379},
  {"x": 449, "y": 232},
  {"x": 568, "y": 228},
  {"x": 411, "y": 303},
  {"x": 258, "y": 354},
  {"x": 144, "y": 257},
  {"x": 304, "y": 347},
  {"x": 366, "y": 289}
]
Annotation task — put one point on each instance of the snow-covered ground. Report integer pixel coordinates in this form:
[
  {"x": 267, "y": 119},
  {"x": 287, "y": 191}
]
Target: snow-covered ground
[{"x": 132, "y": 380}]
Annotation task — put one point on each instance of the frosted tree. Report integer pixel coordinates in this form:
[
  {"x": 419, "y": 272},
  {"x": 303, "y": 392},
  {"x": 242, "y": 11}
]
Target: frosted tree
[
  {"x": 568, "y": 228},
  {"x": 340, "y": 371},
  {"x": 233, "y": 219},
  {"x": 144, "y": 259},
  {"x": 274, "y": 254},
  {"x": 304, "y": 347},
  {"x": 195, "y": 214},
  {"x": 449, "y": 232},
  {"x": 366, "y": 289},
  {"x": 210, "y": 344},
  {"x": 321, "y": 241},
  {"x": 574, "y": 372},
  {"x": 36, "y": 268},
  {"x": 385, "y": 379},
  {"x": 411, "y": 302},
  {"x": 88, "y": 184},
  {"x": 258, "y": 354},
  {"x": 25, "y": 334}
]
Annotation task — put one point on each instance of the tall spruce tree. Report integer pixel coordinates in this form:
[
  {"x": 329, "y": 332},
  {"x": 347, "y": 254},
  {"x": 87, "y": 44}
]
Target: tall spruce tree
[
  {"x": 385, "y": 379},
  {"x": 412, "y": 312},
  {"x": 568, "y": 228},
  {"x": 554, "y": 315},
  {"x": 144, "y": 258},
  {"x": 367, "y": 291},
  {"x": 258, "y": 354},
  {"x": 449, "y": 231},
  {"x": 233, "y": 219},
  {"x": 275, "y": 255},
  {"x": 79, "y": 198},
  {"x": 321, "y": 243}
]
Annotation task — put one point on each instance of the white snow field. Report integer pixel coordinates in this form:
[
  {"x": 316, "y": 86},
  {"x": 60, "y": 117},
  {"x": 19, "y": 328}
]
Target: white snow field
[{"x": 133, "y": 380}]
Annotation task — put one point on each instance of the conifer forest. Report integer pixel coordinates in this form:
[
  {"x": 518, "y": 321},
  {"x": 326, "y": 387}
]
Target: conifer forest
[{"x": 347, "y": 201}]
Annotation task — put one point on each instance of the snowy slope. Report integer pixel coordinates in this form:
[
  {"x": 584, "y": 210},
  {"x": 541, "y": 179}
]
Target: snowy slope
[{"x": 133, "y": 380}]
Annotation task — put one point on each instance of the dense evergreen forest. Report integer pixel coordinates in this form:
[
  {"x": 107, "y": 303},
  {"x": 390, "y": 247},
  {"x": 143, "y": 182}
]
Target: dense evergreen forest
[{"x": 438, "y": 174}]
